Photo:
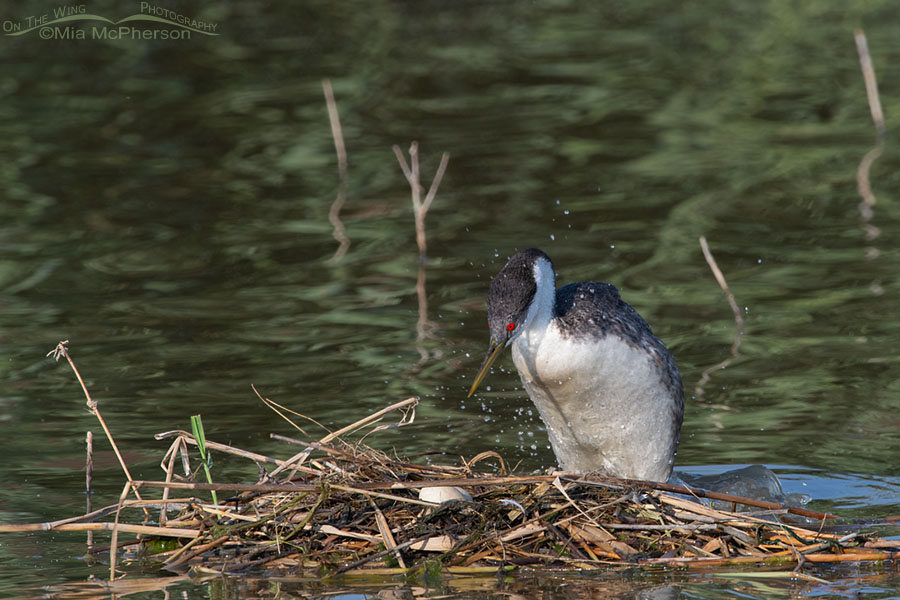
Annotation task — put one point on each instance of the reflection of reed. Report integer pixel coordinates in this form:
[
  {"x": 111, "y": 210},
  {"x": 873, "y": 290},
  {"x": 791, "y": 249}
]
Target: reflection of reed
[
  {"x": 738, "y": 319},
  {"x": 866, "y": 207},
  {"x": 424, "y": 327},
  {"x": 334, "y": 214}
]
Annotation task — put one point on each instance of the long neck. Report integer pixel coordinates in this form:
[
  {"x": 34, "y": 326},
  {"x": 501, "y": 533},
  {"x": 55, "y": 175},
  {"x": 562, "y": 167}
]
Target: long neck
[{"x": 540, "y": 313}]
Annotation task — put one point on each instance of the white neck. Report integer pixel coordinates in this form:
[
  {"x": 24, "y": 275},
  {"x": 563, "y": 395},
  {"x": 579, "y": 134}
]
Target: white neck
[{"x": 540, "y": 313}]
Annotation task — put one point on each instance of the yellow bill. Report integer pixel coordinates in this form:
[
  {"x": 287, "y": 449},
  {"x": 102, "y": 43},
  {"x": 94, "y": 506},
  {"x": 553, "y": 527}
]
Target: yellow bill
[{"x": 492, "y": 354}]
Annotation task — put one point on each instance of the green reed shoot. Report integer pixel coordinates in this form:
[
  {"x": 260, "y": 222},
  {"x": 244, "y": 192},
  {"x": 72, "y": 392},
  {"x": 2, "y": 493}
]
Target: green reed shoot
[{"x": 200, "y": 437}]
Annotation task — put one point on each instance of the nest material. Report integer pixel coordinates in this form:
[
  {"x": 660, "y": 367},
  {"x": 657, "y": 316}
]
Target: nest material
[
  {"x": 365, "y": 517},
  {"x": 344, "y": 508},
  {"x": 340, "y": 507}
]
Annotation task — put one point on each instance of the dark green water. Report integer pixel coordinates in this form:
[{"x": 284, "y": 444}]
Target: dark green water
[{"x": 165, "y": 208}]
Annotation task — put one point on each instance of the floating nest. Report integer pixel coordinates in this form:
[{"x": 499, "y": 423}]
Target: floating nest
[{"x": 339, "y": 507}]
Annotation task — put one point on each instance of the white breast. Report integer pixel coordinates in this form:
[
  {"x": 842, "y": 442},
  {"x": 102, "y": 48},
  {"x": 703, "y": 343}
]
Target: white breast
[{"x": 602, "y": 400}]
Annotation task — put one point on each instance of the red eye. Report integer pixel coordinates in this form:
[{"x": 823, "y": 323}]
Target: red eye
[{"x": 510, "y": 326}]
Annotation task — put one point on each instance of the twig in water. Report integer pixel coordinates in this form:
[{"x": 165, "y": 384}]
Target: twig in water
[
  {"x": 62, "y": 350},
  {"x": 866, "y": 212},
  {"x": 334, "y": 214},
  {"x": 868, "y": 70},
  {"x": 738, "y": 318},
  {"x": 420, "y": 209}
]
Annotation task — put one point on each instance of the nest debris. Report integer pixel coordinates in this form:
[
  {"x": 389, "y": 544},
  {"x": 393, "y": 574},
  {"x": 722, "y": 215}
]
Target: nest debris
[{"x": 341, "y": 507}]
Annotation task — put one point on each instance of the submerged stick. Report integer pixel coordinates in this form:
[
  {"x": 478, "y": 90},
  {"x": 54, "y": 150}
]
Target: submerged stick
[
  {"x": 88, "y": 474},
  {"x": 334, "y": 214}
]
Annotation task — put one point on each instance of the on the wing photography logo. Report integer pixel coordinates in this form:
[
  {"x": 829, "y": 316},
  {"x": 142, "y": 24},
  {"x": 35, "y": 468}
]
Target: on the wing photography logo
[{"x": 74, "y": 22}]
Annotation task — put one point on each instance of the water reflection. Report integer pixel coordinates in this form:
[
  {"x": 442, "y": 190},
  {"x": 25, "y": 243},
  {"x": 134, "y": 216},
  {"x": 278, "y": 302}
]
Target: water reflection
[
  {"x": 166, "y": 209},
  {"x": 627, "y": 583}
]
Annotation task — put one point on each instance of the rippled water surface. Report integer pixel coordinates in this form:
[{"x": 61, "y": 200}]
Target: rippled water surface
[{"x": 165, "y": 208}]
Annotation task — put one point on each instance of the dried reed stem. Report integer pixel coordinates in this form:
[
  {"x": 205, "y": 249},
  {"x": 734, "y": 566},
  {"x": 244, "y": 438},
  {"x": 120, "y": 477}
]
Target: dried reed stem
[
  {"x": 148, "y": 530},
  {"x": 562, "y": 490},
  {"x": 113, "y": 544},
  {"x": 62, "y": 350},
  {"x": 368, "y": 488},
  {"x": 280, "y": 410},
  {"x": 188, "y": 438},
  {"x": 168, "y": 465},
  {"x": 736, "y": 311},
  {"x": 386, "y": 536},
  {"x": 334, "y": 214},
  {"x": 63, "y": 524},
  {"x": 866, "y": 207},
  {"x": 420, "y": 209},
  {"x": 409, "y": 403},
  {"x": 865, "y": 61}
]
